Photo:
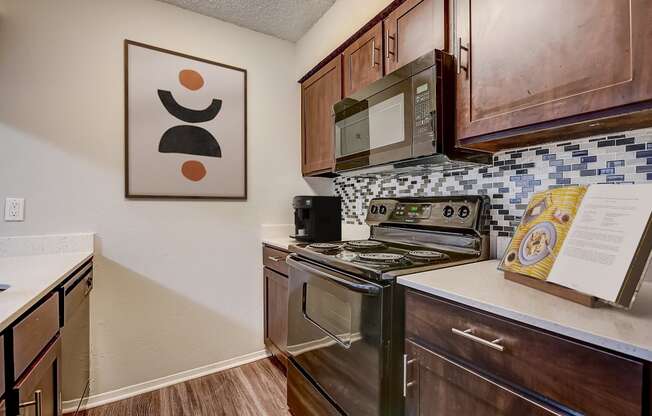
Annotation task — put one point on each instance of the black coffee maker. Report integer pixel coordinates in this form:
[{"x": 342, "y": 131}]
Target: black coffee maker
[{"x": 317, "y": 219}]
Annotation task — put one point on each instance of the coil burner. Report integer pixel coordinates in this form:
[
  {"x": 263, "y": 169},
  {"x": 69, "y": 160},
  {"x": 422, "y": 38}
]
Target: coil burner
[
  {"x": 426, "y": 255},
  {"x": 364, "y": 245},
  {"x": 381, "y": 258},
  {"x": 323, "y": 246}
]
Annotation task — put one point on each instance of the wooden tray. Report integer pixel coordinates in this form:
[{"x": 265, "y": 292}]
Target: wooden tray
[{"x": 553, "y": 289}]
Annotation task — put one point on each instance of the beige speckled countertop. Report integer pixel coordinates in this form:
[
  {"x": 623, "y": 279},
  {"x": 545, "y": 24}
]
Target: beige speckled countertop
[
  {"x": 32, "y": 277},
  {"x": 32, "y": 266},
  {"x": 278, "y": 235},
  {"x": 283, "y": 243},
  {"x": 482, "y": 286}
]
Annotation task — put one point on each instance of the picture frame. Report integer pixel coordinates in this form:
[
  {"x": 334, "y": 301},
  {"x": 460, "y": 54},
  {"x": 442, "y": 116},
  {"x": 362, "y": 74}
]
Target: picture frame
[{"x": 183, "y": 149}]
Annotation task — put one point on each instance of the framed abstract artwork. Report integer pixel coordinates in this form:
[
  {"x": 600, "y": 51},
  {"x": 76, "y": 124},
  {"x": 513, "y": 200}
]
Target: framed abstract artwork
[{"x": 185, "y": 126}]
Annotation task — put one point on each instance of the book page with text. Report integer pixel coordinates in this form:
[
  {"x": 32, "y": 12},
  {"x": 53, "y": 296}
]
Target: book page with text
[{"x": 602, "y": 241}]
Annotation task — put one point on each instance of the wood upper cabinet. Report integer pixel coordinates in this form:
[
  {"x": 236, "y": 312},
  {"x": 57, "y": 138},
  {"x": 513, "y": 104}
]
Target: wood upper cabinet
[
  {"x": 413, "y": 29},
  {"x": 363, "y": 60},
  {"x": 525, "y": 62},
  {"x": 318, "y": 95},
  {"x": 440, "y": 386}
]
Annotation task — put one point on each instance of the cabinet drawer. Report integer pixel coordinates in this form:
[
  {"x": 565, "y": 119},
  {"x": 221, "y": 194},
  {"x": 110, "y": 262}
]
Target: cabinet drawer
[
  {"x": 275, "y": 259},
  {"x": 577, "y": 376},
  {"x": 76, "y": 290},
  {"x": 33, "y": 332}
]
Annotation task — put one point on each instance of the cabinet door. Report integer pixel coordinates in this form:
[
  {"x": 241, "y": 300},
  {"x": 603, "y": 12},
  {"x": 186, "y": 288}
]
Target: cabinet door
[
  {"x": 413, "y": 29},
  {"x": 40, "y": 386},
  {"x": 439, "y": 386},
  {"x": 318, "y": 95},
  {"x": 363, "y": 60},
  {"x": 276, "y": 314},
  {"x": 528, "y": 62}
]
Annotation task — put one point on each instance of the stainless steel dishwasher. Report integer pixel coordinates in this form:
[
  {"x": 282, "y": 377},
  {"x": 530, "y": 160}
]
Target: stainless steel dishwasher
[{"x": 75, "y": 337}]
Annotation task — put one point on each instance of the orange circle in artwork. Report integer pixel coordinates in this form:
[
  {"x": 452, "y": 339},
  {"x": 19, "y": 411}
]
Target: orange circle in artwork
[
  {"x": 191, "y": 79},
  {"x": 193, "y": 170}
]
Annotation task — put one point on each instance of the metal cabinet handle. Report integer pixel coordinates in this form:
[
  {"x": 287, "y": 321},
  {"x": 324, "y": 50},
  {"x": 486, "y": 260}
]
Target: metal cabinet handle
[
  {"x": 373, "y": 52},
  {"x": 89, "y": 285},
  {"x": 275, "y": 258},
  {"x": 387, "y": 44},
  {"x": 407, "y": 384},
  {"x": 468, "y": 333},
  {"x": 461, "y": 48},
  {"x": 387, "y": 50},
  {"x": 37, "y": 403}
]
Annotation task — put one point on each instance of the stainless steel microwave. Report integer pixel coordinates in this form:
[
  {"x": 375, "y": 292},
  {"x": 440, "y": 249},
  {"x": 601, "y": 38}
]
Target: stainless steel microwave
[{"x": 407, "y": 115}]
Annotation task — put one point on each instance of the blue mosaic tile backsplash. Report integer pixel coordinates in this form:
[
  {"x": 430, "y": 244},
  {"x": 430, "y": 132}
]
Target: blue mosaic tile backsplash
[{"x": 514, "y": 176}]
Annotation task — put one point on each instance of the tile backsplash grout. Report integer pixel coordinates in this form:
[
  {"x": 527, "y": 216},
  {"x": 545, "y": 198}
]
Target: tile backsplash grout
[{"x": 514, "y": 176}]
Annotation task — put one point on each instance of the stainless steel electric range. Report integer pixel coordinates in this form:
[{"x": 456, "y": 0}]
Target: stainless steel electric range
[{"x": 346, "y": 312}]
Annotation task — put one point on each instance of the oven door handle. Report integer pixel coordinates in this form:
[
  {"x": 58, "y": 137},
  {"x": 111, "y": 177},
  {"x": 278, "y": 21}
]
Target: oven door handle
[{"x": 355, "y": 287}]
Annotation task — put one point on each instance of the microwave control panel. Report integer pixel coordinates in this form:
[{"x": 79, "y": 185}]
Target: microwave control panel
[
  {"x": 422, "y": 110},
  {"x": 457, "y": 213}
]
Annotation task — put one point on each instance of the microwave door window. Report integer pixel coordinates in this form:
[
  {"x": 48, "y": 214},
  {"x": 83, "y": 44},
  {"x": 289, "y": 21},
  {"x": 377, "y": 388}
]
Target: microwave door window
[
  {"x": 386, "y": 122},
  {"x": 352, "y": 134}
]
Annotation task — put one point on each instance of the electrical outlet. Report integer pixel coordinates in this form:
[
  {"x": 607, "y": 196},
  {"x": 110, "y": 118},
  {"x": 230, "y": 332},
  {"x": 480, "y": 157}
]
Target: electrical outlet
[{"x": 15, "y": 209}]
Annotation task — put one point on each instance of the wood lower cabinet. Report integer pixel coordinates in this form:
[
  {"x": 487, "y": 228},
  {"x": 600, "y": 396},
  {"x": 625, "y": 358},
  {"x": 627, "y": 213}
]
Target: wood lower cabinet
[
  {"x": 276, "y": 303},
  {"x": 440, "y": 386},
  {"x": 37, "y": 391},
  {"x": 276, "y": 310},
  {"x": 363, "y": 60},
  {"x": 413, "y": 29},
  {"x": 318, "y": 95},
  {"x": 2, "y": 367},
  {"x": 537, "y": 65},
  {"x": 473, "y": 357}
]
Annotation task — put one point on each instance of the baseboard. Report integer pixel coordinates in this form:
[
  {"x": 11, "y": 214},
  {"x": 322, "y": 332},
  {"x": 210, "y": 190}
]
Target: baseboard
[{"x": 147, "y": 386}]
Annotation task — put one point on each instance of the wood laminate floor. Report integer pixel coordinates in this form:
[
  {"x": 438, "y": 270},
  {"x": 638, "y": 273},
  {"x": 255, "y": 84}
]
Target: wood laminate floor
[{"x": 256, "y": 389}]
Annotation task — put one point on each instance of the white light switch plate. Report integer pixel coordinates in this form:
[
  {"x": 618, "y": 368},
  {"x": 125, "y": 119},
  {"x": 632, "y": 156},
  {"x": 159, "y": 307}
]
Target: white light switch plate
[{"x": 15, "y": 209}]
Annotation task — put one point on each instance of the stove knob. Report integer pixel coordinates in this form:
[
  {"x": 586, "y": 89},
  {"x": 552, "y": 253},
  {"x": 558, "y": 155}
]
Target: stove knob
[
  {"x": 383, "y": 210},
  {"x": 374, "y": 209},
  {"x": 448, "y": 211},
  {"x": 464, "y": 211}
]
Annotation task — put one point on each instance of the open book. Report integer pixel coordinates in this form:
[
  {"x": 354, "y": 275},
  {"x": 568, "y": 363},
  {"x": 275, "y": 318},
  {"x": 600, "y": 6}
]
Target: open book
[{"x": 594, "y": 239}]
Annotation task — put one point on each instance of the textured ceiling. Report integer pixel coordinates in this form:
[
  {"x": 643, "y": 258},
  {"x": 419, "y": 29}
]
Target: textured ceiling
[{"x": 286, "y": 19}]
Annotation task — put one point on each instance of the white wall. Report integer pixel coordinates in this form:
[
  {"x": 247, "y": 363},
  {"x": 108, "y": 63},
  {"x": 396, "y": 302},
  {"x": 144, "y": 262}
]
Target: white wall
[
  {"x": 341, "y": 21},
  {"x": 178, "y": 283}
]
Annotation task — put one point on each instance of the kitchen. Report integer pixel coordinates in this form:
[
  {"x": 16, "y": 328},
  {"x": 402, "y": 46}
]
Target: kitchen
[{"x": 195, "y": 301}]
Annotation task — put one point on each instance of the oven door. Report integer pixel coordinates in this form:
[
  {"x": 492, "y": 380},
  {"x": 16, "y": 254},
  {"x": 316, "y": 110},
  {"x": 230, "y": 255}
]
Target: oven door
[{"x": 335, "y": 334}]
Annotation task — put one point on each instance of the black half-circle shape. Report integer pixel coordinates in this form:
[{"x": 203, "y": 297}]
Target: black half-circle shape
[
  {"x": 190, "y": 140},
  {"x": 186, "y": 114}
]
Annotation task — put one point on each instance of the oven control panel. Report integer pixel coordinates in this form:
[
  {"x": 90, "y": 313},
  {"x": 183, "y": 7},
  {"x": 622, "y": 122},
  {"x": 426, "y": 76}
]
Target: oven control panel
[{"x": 457, "y": 212}]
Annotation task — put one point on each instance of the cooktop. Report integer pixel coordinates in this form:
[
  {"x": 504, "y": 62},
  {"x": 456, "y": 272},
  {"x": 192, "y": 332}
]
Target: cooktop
[{"x": 377, "y": 259}]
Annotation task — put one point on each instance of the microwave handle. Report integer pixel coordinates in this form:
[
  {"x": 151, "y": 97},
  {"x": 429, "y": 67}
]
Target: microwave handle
[{"x": 355, "y": 287}]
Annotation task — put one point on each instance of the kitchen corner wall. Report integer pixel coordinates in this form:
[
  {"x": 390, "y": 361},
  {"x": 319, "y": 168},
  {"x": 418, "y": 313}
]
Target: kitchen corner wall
[
  {"x": 178, "y": 284},
  {"x": 514, "y": 176}
]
